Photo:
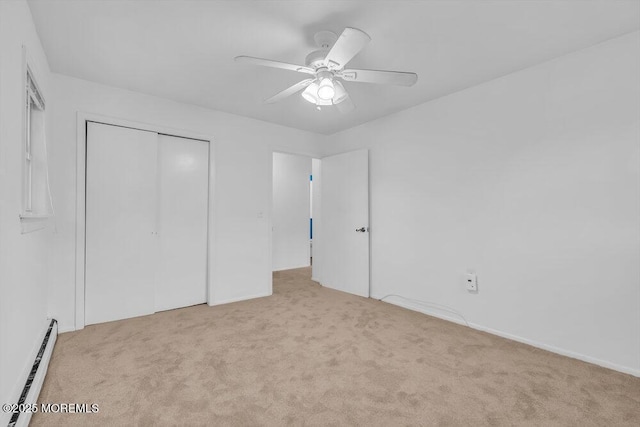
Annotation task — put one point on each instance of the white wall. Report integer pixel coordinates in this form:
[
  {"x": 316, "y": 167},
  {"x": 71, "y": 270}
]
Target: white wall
[
  {"x": 243, "y": 149},
  {"x": 291, "y": 211},
  {"x": 533, "y": 182},
  {"x": 23, "y": 257}
]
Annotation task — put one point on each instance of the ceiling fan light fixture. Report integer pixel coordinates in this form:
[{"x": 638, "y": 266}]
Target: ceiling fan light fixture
[
  {"x": 341, "y": 93},
  {"x": 309, "y": 94},
  {"x": 324, "y": 102},
  {"x": 326, "y": 90}
]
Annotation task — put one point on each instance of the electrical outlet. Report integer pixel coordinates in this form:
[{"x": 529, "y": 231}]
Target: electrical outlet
[{"x": 472, "y": 282}]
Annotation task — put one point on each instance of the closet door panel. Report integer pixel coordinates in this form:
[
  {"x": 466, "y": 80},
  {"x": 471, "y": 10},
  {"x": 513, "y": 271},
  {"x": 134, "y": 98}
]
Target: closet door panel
[
  {"x": 183, "y": 166},
  {"x": 121, "y": 245}
]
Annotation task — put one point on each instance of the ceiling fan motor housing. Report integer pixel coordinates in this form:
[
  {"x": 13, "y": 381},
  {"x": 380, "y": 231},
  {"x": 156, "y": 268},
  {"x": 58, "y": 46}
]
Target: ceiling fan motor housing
[
  {"x": 323, "y": 73},
  {"x": 315, "y": 59},
  {"x": 325, "y": 41}
]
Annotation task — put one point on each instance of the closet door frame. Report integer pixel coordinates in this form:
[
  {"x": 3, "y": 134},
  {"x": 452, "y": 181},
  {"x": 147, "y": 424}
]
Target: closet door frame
[{"x": 81, "y": 174}]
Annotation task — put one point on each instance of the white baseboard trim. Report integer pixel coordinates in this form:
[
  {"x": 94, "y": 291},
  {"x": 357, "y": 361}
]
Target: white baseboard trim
[
  {"x": 292, "y": 268},
  {"x": 64, "y": 329},
  {"x": 315, "y": 279},
  {"x": 561, "y": 351},
  {"x": 537, "y": 344},
  {"x": 244, "y": 298},
  {"x": 422, "y": 309}
]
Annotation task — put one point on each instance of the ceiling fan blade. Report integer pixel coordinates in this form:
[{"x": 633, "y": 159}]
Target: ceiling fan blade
[
  {"x": 346, "y": 105},
  {"x": 289, "y": 91},
  {"x": 379, "y": 76},
  {"x": 350, "y": 42},
  {"x": 274, "y": 64}
]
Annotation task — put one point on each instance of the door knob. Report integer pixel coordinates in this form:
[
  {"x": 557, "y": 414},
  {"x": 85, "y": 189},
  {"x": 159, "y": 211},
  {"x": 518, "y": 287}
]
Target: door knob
[{"x": 361, "y": 229}]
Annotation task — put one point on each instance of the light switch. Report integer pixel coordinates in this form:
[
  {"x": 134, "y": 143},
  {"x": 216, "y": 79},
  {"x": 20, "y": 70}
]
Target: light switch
[{"x": 472, "y": 282}]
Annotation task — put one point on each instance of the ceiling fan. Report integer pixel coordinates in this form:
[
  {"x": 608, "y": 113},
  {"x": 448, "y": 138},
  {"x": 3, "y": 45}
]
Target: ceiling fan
[{"x": 326, "y": 68}]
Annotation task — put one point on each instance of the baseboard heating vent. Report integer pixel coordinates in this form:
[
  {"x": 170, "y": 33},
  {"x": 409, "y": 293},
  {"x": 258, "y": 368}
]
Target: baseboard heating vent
[{"x": 35, "y": 379}]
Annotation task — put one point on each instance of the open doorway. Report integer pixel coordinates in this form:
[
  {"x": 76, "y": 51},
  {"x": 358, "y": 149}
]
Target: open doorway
[
  {"x": 292, "y": 216},
  {"x": 321, "y": 220}
]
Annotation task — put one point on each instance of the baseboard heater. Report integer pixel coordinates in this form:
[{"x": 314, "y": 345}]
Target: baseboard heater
[{"x": 32, "y": 387}]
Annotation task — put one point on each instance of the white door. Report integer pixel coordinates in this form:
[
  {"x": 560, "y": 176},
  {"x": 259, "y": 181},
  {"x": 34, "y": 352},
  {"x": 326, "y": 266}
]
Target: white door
[
  {"x": 183, "y": 174},
  {"x": 345, "y": 222},
  {"x": 120, "y": 223}
]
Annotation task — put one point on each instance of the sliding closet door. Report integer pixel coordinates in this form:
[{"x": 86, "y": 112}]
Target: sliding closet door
[
  {"x": 121, "y": 203},
  {"x": 183, "y": 175}
]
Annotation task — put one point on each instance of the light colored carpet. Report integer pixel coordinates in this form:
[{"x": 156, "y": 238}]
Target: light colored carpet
[{"x": 314, "y": 356}]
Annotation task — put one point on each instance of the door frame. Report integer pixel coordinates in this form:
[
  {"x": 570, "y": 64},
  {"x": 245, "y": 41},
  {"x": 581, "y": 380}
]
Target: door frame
[
  {"x": 81, "y": 176},
  {"x": 274, "y": 150},
  {"x": 306, "y": 156}
]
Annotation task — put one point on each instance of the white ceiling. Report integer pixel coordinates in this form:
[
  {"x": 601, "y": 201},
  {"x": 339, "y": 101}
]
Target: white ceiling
[{"x": 184, "y": 50}]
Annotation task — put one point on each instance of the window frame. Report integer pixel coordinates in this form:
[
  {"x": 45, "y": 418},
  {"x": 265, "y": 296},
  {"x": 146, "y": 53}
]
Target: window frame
[{"x": 33, "y": 98}]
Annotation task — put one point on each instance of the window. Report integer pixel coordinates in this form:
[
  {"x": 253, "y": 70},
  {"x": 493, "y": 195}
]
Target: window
[{"x": 36, "y": 201}]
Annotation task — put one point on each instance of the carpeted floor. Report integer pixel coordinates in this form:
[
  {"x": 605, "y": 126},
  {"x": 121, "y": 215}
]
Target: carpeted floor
[{"x": 314, "y": 356}]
